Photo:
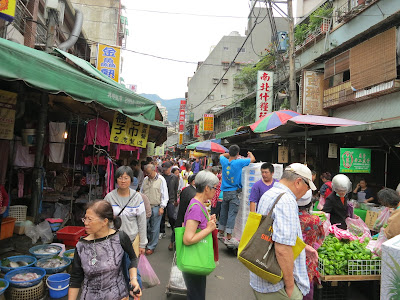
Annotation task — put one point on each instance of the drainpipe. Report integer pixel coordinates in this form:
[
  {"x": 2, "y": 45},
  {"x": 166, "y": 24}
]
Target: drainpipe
[{"x": 76, "y": 31}]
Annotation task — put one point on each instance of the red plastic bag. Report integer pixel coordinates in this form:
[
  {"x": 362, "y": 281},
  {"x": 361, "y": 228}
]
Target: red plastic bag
[
  {"x": 341, "y": 233},
  {"x": 321, "y": 202},
  {"x": 147, "y": 274},
  {"x": 382, "y": 219},
  {"x": 357, "y": 227}
]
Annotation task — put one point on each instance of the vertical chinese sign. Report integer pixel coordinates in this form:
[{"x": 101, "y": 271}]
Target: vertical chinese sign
[
  {"x": 7, "y": 9},
  {"x": 265, "y": 92},
  {"x": 196, "y": 131},
  {"x": 208, "y": 122},
  {"x": 182, "y": 116},
  {"x": 313, "y": 93},
  {"x": 8, "y": 102},
  {"x": 180, "y": 141},
  {"x": 108, "y": 59},
  {"x": 129, "y": 132}
]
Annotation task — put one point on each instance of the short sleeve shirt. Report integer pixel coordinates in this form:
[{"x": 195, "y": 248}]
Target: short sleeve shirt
[
  {"x": 195, "y": 213},
  {"x": 258, "y": 189},
  {"x": 232, "y": 173}
]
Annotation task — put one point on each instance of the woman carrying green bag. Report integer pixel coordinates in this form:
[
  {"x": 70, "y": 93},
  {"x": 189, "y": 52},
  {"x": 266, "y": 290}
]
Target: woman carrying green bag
[{"x": 198, "y": 227}]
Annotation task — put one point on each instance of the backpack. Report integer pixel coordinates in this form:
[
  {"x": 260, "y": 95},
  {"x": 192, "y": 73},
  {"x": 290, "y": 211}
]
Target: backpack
[{"x": 329, "y": 189}]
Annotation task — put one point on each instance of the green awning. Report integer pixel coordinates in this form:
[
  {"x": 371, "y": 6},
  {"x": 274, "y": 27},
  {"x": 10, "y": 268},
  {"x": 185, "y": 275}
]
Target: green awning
[
  {"x": 192, "y": 146},
  {"x": 54, "y": 75},
  {"x": 226, "y": 134}
]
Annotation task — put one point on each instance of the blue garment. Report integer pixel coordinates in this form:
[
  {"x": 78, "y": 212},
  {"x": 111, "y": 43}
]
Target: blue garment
[
  {"x": 232, "y": 173},
  {"x": 229, "y": 210},
  {"x": 286, "y": 229},
  {"x": 196, "y": 167},
  {"x": 153, "y": 228}
]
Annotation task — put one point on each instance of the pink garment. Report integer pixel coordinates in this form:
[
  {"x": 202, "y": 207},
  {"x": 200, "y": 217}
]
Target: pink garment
[
  {"x": 20, "y": 184},
  {"x": 122, "y": 147},
  {"x": 110, "y": 176},
  {"x": 103, "y": 133}
]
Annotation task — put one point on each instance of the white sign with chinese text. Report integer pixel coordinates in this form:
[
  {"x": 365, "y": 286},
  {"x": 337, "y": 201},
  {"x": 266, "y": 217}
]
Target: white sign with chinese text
[
  {"x": 264, "y": 96},
  {"x": 313, "y": 93},
  {"x": 332, "y": 151}
]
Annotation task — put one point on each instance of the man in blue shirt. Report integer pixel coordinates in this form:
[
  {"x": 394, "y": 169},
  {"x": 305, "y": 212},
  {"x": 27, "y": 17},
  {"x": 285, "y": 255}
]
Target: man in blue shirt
[
  {"x": 231, "y": 186},
  {"x": 196, "y": 166}
]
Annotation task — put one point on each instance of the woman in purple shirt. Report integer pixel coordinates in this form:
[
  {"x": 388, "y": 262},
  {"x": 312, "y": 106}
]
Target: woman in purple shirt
[{"x": 206, "y": 184}]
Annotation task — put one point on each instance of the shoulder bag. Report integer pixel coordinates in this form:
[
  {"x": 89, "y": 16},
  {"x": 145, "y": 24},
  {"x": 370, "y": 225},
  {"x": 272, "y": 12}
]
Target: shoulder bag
[
  {"x": 256, "y": 248},
  {"x": 197, "y": 258}
]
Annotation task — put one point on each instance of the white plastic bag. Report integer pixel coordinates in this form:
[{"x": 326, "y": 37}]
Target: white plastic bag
[
  {"x": 45, "y": 232},
  {"x": 31, "y": 231}
]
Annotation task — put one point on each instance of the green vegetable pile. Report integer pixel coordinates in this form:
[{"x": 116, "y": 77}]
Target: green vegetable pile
[
  {"x": 321, "y": 216},
  {"x": 336, "y": 253}
]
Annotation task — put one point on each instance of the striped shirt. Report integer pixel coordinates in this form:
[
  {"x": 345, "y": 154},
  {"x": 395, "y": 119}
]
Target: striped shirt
[{"x": 286, "y": 229}]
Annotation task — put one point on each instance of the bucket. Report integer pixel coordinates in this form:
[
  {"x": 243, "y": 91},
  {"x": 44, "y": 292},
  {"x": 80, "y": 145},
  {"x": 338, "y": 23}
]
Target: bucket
[
  {"x": 28, "y": 137},
  {"x": 58, "y": 285}
]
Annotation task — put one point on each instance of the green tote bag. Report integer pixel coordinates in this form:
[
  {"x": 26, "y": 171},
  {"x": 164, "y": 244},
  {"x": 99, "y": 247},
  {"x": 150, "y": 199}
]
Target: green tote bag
[{"x": 197, "y": 258}]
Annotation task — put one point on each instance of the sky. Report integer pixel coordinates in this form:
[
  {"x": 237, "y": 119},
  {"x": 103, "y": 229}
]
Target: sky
[{"x": 176, "y": 36}]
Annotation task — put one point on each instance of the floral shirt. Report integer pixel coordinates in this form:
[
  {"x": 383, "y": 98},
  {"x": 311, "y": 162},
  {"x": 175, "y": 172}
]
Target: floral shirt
[
  {"x": 215, "y": 199},
  {"x": 313, "y": 235}
]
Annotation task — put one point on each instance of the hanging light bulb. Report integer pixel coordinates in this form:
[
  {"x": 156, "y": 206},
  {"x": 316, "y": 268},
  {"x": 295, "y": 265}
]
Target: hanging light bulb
[{"x": 65, "y": 135}]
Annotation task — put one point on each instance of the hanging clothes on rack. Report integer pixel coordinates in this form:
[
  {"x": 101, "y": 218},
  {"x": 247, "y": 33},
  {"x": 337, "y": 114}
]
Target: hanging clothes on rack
[
  {"x": 122, "y": 147},
  {"x": 21, "y": 181},
  {"x": 101, "y": 137},
  {"x": 22, "y": 157},
  {"x": 57, "y": 142},
  {"x": 111, "y": 166}
]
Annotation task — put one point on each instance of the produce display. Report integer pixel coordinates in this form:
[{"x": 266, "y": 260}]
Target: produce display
[
  {"x": 54, "y": 262},
  {"x": 13, "y": 264},
  {"x": 334, "y": 256},
  {"x": 25, "y": 277},
  {"x": 70, "y": 255}
]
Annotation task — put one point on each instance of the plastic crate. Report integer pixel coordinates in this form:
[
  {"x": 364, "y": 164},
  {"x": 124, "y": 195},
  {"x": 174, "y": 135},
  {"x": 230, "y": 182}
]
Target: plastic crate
[
  {"x": 7, "y": 228},
  {"x": 70, "y": 234},
  {"x": 18, "y": 212},
  {"x": 364, "y": 267},
  {"x": 31, "y": 293}
]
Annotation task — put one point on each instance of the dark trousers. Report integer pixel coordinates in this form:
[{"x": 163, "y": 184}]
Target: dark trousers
[
  {"x": 216, "y": 210},
  {"x": 170, "y": 211},
  {"x": 195, "y": 285}
]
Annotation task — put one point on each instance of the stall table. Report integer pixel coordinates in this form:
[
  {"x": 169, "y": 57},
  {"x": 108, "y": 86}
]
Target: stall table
[{"x": 357, "y": 211}]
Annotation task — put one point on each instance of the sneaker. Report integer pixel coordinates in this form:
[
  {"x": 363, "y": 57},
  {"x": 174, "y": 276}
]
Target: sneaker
[
  {"x": 232, "y": 243},
  {"x": 220, "y": 235},
  {"x": 160, "y": 236},
  {"x": 168, "y": 225},
  {"x": 164, "y": 235}
]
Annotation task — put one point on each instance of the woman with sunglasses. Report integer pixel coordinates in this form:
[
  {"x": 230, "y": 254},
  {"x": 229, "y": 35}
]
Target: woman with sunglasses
[{"x": 98, "y": 259}]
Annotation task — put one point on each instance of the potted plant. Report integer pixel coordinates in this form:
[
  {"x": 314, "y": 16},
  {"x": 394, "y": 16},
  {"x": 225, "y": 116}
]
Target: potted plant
[
  {"x": 317, "y": 18},
  {"x": 300, "y": 33}
]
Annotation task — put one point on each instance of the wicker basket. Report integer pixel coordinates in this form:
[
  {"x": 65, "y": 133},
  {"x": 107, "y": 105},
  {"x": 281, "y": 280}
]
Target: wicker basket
[
  {"x": 31, "y": 293},
  {"x": 18, "y": 212}
]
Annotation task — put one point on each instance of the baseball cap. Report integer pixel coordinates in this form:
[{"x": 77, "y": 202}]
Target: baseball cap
[
  {"x": 302, "y": 171},
  {"x": 306, "y": 199}
]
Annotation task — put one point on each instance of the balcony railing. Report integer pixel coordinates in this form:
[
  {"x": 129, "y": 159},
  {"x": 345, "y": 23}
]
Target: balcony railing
[
  {"x": 22, "y": 14},
  {"x": 351, "y": 9},
  {"x": 339, "y": 95},
  {"x": 315, "y": 34},
  {"x": 41, "y": 35}
]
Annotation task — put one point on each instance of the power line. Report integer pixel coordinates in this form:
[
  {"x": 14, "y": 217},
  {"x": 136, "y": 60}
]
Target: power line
[
  {"x": 232, "y": 62},
  {"x": 165, "y": 12}
]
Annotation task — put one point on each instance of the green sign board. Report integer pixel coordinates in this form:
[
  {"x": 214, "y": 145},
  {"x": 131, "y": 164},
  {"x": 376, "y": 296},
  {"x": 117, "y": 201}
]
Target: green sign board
[{"x": 355, "y": 160}]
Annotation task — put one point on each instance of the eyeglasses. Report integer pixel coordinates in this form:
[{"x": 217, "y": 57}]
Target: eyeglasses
[
  {"x": 306, "y": 182},
  {"x": 88, "y": 220},
  {"x": 124, "y": 178}
]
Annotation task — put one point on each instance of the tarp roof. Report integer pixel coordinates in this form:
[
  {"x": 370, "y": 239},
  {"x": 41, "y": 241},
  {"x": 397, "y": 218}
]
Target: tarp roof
[{"x": 54, "y": 75}]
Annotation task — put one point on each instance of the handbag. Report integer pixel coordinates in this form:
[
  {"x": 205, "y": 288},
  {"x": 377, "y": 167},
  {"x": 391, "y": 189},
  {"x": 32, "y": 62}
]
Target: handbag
[
  {"x": 257, "y": 250},
  {"x": 198, "y": 258}
]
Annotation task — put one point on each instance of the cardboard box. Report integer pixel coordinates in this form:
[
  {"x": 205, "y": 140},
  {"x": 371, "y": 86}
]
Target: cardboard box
[
  {"x": 19, "y": 228},
  {"x": 371, "y": 218}
]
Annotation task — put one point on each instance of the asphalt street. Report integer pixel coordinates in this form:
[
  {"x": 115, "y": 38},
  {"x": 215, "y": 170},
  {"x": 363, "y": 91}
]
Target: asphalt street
[{"x": 230, "y": 279}]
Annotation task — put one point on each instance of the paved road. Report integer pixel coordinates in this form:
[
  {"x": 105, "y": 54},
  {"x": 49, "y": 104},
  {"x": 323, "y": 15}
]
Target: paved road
[{"x": 230, "y": 279}]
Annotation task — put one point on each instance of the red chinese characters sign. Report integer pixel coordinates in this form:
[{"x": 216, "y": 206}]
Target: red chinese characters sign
[
  {"x": 265, "y": 81},
  {"x": 182, "y": 116},
  {"x": 196, "y": 131}
]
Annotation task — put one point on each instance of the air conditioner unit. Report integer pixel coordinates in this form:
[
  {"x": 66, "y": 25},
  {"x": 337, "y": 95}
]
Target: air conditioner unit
[
  {"x": 51, "y": 4},
  {"x": 56, "y": 5}
]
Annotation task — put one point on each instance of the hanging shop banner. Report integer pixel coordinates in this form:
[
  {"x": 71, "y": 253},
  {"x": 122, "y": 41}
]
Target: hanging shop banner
[
  {"x": 196, "y": 131},
  {"x": 182, "y": 116},
  {"x": 108, "y": 59},
  {"x": 265, "y": 92},
  {"x": 313, "y": 93},
  {"x": 355, "y": 160},
  {"x": 283, "y": 154},
  {"x": 8, "y": 102},
  {"x": 180, "y": 140},
  {"x": 7, "y": 9},
  {"x": 151, "y": 149},
  {"x": 208, "y": 122},
  {"x": 332, "y": 151},
  {"x": 129, "y": 132}
]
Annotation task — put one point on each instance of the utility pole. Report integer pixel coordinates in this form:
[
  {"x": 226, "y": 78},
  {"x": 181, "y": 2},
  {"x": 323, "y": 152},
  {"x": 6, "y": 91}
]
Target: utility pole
[
  {"x": 292, "y": 70},
  {"x": 51, "y": 30}
]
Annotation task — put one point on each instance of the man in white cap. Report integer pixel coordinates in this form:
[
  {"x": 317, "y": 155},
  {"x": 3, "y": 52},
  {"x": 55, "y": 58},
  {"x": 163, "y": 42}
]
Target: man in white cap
[{"x": 295, "y": 182}]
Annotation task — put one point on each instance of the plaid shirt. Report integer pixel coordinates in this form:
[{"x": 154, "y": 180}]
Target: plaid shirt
[{"x": 286, "y": 229}]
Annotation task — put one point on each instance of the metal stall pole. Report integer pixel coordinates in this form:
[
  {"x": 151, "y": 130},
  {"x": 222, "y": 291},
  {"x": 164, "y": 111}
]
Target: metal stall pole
[
  {"x": 94, "y": 145},
  {"x": 73, "y": 170}
]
